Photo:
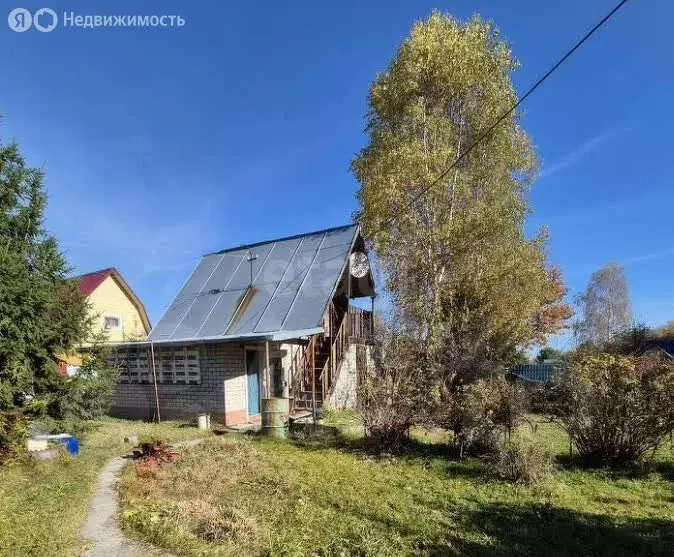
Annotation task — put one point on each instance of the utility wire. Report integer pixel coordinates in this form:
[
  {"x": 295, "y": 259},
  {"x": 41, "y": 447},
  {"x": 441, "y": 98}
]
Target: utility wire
[{"x": 503, "y": 116}]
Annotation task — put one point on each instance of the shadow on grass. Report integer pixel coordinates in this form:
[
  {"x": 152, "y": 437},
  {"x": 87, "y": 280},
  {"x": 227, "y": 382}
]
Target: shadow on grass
[
  {"x": 318, "y": 437},
  {"x": 634, "y": 472},
  {"x": 542, "y": 530}
]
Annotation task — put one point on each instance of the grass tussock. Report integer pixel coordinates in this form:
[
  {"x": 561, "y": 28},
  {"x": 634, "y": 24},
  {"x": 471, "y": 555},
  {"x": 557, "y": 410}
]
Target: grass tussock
[
  {"x": 250, "y": 496},
  {"x": 524, "y": 462}
]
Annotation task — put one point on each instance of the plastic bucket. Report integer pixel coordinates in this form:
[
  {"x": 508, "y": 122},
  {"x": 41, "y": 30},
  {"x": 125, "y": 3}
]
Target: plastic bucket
[
  {"x": 72, "y": 445},
  {"x": 204, "y": 421}
]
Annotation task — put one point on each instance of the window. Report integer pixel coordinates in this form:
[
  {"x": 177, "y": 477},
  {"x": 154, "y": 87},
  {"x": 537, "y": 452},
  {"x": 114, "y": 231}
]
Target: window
[
  {"x": 112, "y": 322},
  {"x": 172, "y": 365}
]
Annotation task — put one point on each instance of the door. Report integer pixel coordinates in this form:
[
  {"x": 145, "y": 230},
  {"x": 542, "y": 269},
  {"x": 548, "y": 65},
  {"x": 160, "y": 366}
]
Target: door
[{"x": 253, "y": 370}]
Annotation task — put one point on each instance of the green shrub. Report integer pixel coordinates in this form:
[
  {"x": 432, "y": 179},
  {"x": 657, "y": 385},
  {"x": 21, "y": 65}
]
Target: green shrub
[
  {"x": 483, "y": 414},
  {"x": 520, "y": 462},
  {"x": 616, "y": 409},
  {"x": 394, "y": 396},
  {"x": 87, "y": 394},
  {"x": 74, "y": 427},
  {"x": 13, "y": 434}
]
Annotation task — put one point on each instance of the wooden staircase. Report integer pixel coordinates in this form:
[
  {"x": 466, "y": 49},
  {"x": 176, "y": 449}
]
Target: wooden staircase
[
  {"x": 304, "y": 390},
  {"x": 315, "y": 369}
]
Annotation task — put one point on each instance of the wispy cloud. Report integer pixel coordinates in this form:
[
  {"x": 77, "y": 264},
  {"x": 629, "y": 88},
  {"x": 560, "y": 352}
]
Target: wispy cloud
[
  {"x": 584, "y": 268},
  {"x": 580, "y": 152},
  {"x": 148, "y": 245},
  {"x": 652, "y": 256}
]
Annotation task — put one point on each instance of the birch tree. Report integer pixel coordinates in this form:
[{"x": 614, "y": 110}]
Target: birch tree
[
  {"x": 605, "y": 306},
  {"x": 461, "y": 272}
]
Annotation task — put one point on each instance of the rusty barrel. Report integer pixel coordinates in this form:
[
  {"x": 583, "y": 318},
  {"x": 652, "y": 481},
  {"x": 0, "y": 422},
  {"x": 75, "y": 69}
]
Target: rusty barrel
[{"x": 275, "y": 412}]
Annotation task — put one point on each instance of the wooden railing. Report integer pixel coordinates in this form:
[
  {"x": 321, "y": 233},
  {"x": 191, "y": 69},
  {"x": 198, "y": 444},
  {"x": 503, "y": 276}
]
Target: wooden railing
[
  {"x": 339, "y": 346},
  {"x": 361, "y": 324},
  {"x": 303, "y": 363},
  {"x": 312, "y": 384}
]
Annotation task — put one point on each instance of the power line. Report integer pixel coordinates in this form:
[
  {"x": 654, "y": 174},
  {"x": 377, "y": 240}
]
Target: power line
[{"x": 504, "y": 115}]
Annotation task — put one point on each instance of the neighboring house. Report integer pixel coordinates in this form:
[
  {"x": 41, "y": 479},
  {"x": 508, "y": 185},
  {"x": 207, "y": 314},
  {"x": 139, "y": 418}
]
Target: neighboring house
[
  {"x": 115, "y": 307},
  {"x": 539, "y": 373},
  {"x": 267, "y": 319}
]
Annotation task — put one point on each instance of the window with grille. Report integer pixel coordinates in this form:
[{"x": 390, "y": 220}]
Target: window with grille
[{"x": 172, "y": 365}]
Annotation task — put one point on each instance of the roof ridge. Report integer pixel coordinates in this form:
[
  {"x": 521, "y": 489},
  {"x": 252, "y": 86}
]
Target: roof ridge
[
  {"x": 293, "y": 237},
  {"x": 106, "y": 270}
]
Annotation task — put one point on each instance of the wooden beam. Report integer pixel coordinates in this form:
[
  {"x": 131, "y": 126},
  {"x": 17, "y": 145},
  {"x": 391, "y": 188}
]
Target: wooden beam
[
  {"x": 348, "y": 296},
  {"x": 267, "y": 389},
  {"x": 154, "y": 376},
  {"x": 313, "y": 377}
]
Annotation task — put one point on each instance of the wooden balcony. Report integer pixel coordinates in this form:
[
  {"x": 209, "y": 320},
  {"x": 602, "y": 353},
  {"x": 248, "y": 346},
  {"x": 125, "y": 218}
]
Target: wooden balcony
[{"x": 360, "y": 326}]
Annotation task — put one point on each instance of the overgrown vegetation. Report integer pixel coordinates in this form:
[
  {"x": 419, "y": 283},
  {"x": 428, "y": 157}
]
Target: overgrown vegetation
[
  {"x": 43, "y": 504},
  {"x": 483, "y": 414},
  {"x": 253, "y": 496},
  {"x": 523, "y": 462},
  {"x": 13, "y": 433},
  {"x": 395, "y": 396},
  {"x": 617, "y": 409},
  {"x": 470, "y": 290},
  {"x": 87, "y": 394}
]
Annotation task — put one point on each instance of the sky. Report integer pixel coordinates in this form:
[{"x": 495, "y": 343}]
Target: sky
[{"x": 162, "y": 144}]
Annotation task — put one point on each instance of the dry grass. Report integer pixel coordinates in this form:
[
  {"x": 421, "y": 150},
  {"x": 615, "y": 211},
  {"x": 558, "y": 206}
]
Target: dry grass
[
  {"x": 248, "y": 496},
  {"x": 523, "y": 462}
]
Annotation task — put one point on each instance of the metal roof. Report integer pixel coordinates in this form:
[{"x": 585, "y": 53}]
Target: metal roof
[
  {"x": 293, "y": 280},
  {"x": 537, "y": 373}
]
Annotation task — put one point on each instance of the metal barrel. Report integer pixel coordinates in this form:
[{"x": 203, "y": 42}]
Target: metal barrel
[{"x": 275, "y": 412}]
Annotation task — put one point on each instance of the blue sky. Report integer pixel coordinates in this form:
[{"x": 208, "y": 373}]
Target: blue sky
[{"x": 162, "y": 144}]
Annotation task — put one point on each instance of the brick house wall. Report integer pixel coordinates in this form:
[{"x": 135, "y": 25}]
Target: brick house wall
[{"x": 222, "y": 392}]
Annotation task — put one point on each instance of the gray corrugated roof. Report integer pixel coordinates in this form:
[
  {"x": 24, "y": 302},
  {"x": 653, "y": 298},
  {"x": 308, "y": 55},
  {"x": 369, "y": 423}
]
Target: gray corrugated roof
[{"x": 293, "y": 281}]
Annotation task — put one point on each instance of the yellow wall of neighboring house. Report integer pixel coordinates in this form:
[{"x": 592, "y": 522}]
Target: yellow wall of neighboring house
[{"x": 110, "y": 300}]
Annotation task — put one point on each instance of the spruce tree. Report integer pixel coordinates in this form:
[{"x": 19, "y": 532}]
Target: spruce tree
[{"x": 42, "y": 314}]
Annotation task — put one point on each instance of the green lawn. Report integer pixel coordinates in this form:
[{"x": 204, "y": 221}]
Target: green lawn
[
  {"x": 239, "y": 495},
  {"x": 43, "y": 504}
]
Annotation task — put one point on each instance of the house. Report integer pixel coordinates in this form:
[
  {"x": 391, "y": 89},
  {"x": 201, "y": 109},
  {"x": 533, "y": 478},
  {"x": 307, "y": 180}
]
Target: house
[
  {"x": 273, "y": 318},
  {"x": 538, "y": 373},
  {"x": 115, "y": 308}
]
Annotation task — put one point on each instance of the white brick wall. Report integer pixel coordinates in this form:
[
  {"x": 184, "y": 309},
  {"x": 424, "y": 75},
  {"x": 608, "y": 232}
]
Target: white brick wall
[
  {"x": 236, "y": 392},
  {"x": 345, "y": 391},
  {"x": 222, "y": 389}
]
